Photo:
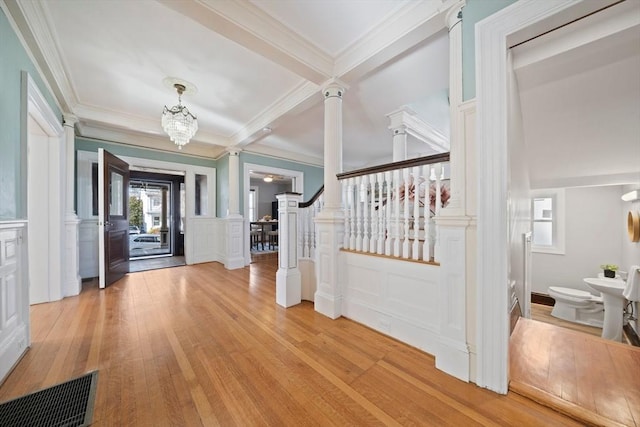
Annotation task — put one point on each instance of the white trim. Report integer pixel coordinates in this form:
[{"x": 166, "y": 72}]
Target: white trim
[
  {"x": 516, "y": 23},
  {"x": 299, "y": 188},
  {"x": 558, "y": 221}
]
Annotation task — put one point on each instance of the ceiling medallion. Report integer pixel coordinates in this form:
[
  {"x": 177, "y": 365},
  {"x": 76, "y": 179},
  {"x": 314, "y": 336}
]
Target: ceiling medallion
[{"x": 178, "y": 122}]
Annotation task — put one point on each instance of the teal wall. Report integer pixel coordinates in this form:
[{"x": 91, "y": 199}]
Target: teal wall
[
  {"x": 474, "y": 12},
  {"x": 313, "y": 177},
  {"x": 13, "y": 60},
  {"x": 86, "y": 144}
]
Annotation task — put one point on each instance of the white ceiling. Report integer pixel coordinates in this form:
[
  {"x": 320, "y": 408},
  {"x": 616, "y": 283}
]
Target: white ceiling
[
  {"x": 255, "y": 64},
  {"x": 580, "y": 101}
]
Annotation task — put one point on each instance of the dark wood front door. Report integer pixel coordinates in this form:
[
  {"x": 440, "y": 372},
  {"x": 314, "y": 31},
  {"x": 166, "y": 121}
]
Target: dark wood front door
[{"x": 113, "y": 210}]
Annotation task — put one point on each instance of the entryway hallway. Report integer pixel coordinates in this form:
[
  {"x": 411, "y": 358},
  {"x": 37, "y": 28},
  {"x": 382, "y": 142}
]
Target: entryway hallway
[{"x": 202, "y": 345}]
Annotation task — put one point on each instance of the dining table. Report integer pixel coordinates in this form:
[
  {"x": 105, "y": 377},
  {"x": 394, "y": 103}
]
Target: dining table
[{"x": 272, "y": 224}]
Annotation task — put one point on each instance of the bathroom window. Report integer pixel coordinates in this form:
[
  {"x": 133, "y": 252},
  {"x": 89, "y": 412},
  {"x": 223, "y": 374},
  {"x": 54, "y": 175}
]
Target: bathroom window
[{"x": 547, "y": 226}]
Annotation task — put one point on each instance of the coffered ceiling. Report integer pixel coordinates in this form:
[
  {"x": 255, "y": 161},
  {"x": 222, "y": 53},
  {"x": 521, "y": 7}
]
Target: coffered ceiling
[{"x": 256, "y": 64}]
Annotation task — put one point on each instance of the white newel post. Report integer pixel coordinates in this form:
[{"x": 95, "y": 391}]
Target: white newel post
[
  {"x": 330, "y": 221},
  {"x": 72, "y": 283},
  {"x": 454, "y": 355},
  {"x": 288, "y": 277},
  {"x": 235, "y": 222}
]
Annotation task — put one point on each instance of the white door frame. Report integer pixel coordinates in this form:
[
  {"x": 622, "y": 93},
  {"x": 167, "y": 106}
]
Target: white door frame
[
  {"x": 298, "y": 179},
  {"x": 517, "y": 23},
  {"x": 51, "y": 188}
]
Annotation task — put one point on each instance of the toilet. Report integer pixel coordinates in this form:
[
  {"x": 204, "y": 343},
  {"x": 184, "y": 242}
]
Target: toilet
[{"x": 577, "y": 306}]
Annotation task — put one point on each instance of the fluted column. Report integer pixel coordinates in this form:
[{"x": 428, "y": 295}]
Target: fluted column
[
  {"x": 235, "y": 240},
  {"x": 330, "y": 221},
  {"x": 458, "y": 161},
  {"x": 288, "y": 277},
  {"x": 72, "y": 283},
  {"x": 456, "y": 232}
]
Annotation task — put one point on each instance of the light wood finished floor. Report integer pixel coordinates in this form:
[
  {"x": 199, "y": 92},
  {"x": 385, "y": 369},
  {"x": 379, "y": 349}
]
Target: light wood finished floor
[
  {"x": 595, "y": 380},
  {"x": 542, "y": 313},
  {"x": 201, "y": 345}
]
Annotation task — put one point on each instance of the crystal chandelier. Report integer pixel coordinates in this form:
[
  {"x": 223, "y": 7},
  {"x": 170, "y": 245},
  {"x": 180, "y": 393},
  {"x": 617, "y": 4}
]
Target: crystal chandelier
[{"x": 178, "y": 122}]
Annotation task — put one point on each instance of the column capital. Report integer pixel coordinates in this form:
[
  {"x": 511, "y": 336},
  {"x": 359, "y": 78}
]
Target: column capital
[
  {"x": 233, "y": 151},
  {"x": 454, "y": 14},
  {"x": 69, "y": 119},
  {"x": 333, "y": 88}
]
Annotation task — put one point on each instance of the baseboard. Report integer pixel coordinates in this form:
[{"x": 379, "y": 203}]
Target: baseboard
[{"x": 543, "y": 299}]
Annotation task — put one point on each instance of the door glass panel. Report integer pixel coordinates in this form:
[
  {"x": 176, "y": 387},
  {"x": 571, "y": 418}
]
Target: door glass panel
[{"x": 116, "y": 195}]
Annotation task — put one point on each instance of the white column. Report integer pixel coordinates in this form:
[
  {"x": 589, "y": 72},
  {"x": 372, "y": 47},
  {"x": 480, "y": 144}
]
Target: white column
[
  {"x": 234, "y": 181},
  {"x": 288, "y": 277},
  {"x": 457, "y": 149},
  {"x": 235, "y": 223},
  {"x": 330, "y": 221},
  {"x": 397, "y": 124},
  {"x": 456, "y": 233},
  {"x": 72, "y": 283},
  {"x": 399, "y": 143}
]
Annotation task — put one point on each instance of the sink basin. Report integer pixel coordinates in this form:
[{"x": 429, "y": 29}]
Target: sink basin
[
  {"x": 612, "y": 287},
  {"x": 614, "y": 302}
]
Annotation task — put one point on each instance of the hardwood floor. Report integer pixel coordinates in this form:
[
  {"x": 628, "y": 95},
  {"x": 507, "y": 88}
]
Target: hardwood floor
[
  {"x": 592, "y": 379},
  {"x": 542, "y": 313},
  {"x": 201, "y": 345}
]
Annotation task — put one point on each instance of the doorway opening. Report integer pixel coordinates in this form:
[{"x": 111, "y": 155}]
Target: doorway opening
[{"x": 156, "y": 220}]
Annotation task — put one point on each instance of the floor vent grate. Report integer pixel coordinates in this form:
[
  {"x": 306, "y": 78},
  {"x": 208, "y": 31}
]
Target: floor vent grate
[{"x": 63, "y": 405}]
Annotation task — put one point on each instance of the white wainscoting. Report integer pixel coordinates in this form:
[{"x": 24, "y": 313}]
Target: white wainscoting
[
  {"x": 206, "y": 238},
  {"x": 14, "y": 295},
  {"x": 88, "y": 242},
  {"x": 397, "y": 298}
]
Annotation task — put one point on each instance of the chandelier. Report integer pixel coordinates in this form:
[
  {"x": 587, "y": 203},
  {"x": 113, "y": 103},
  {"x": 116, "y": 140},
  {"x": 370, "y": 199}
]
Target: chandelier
[{"x": 178, "y": 122}]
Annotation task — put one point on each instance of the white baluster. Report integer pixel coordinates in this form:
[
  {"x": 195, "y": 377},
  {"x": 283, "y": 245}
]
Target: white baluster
[
  {"x": 396, "y": 213},
  {"x": 405, "y": 214},
  {"x": 388, "y": 237},
  {"x": 364, "y": 191},
  {"x": 426, "y": 253},
  {"x": 374, "y": 215},
  {"x": 381, "y": 214},
  {"x": 358, "y": 196},
  {"x": 346, "y": 207},
  {"x": 436, "y": 243},
  {"x": 352, "y": 214},
  {"x": 415, "y": 249}
]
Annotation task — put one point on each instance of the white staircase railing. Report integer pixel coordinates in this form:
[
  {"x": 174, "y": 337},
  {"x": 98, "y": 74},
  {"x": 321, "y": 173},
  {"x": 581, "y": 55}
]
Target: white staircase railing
[{"x": 388, "y": 209}]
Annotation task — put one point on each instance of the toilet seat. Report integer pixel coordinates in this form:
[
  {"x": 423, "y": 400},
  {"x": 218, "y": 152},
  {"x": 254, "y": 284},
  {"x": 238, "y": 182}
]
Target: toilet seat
[{"x": 574, "y": 295}]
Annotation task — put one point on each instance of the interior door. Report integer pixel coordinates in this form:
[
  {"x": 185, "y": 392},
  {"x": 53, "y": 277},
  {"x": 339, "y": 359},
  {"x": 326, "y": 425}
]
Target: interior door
[{"x": 113, "y": 217}]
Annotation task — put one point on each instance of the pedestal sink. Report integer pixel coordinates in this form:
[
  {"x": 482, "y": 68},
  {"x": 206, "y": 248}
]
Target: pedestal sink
[{"x": 614, "y": 302}]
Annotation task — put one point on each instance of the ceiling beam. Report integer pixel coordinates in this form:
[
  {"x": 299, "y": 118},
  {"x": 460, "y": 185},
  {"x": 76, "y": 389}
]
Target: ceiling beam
[
  {"x": 249, "y": 26},
  {"x": 406, "y": 28}
]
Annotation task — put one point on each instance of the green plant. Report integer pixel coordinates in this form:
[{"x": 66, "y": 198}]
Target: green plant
[{"x": 611, "y": 267}]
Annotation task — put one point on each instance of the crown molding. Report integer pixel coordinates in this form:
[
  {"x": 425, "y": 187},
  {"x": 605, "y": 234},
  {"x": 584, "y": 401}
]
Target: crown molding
[
  {"x": 247, "y": 25},
  {"x": 418, "y": 128},
  {"x": 144, "y": 140},
  {"x": 47, "y": 50},
  {"x": 403, "y": 29},
  {"x": 290, "y": 156},
  {"x": 100, "y": 117},
  {"x": 296, "y": 100}
]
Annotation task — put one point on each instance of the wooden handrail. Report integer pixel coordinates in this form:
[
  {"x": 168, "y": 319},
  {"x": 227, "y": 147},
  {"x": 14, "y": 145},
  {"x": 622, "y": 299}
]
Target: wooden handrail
[
  {"x": 426, "y": 160},
  {"x": 312, "y": 200}
]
